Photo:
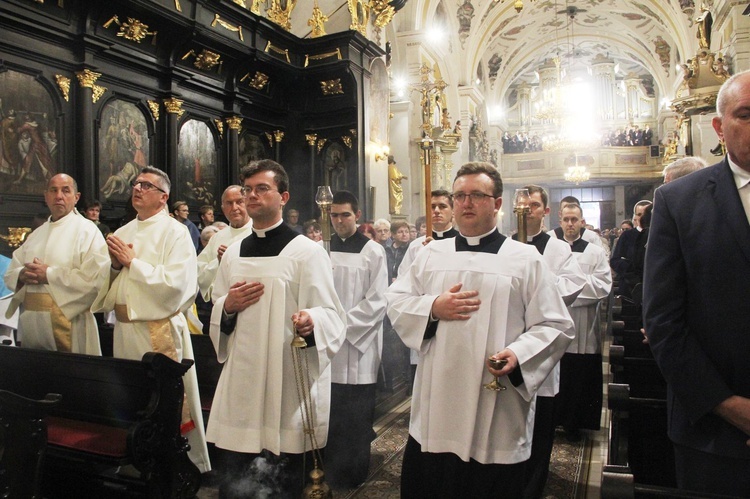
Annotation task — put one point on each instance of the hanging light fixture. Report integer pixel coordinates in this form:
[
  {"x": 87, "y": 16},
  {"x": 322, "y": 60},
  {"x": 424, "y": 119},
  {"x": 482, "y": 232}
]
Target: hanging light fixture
[
  {"x": 518, "y": 4},
  {"x": 577, "y": 174}
]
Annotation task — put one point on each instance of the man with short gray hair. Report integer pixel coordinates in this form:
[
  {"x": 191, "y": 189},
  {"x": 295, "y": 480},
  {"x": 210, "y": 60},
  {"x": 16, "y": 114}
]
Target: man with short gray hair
[{"x": 683, "y": 166}]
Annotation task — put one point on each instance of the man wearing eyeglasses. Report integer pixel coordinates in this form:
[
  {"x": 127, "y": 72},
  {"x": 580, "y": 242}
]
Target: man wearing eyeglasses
[
  {"x": 151, "y": 283},
  {"x": 55, "y": 284},
  {"x": 462, "y": 301},
  {"x": 271, "y": 286}
]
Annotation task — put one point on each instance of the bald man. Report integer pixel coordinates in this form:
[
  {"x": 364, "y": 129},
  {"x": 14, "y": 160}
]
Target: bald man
[{"x": 56, "y": 275}]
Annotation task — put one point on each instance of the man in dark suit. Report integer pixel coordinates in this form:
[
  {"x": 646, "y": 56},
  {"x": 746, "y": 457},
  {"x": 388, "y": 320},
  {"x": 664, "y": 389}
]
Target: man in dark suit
[
  {"x": 624, "y": 250},
  {"x": 696, "y": 306}
]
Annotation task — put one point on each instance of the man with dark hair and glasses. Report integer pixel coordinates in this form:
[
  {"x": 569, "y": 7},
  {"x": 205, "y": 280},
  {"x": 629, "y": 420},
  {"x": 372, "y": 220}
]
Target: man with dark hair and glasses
[
  {"x": 271, "y": 286},
  {"x": 464, "y": 300},
  {"x": 151, "y": 283},
  {"x": 56, "y": 275}
]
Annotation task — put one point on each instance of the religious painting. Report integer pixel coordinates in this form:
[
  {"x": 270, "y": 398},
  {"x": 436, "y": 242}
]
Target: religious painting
[
  {"x": 28, "y": 132},
  {"x": 197, "y": 163},
  {"x": 123, "y": 148},
  {"x": 334, "y": 164},
  {"x": 252, "y": 148}
]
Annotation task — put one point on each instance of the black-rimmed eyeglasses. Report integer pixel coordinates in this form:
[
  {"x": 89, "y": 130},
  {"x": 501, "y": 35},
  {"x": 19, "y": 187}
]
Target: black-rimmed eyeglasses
[
  {"x": 145, "y": 186},
  {"x": 259, "y": 190},
  {"x": 476, "y": 197}
]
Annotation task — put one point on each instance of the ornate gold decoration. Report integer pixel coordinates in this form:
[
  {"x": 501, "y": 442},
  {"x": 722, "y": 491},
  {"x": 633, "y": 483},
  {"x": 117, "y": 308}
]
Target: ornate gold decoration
[
  {"x": 255, "y": 7},
  {"x": 258, "y": 81},
  {"x": 206, "y": 60},
  {"x": 133, "y": 30},
  {"x": 87, "y": 78},
  {"x": 318, "y": 57},
  {"x": 228, "y": 26},
  {"x": 219, "y": 126},
  {"x": 347, "y": 141},
  {"x": 321, "y": 143},
  {"x": 281, "y": 14},
  {"x": 360, "y": 13},
  {"x": 311, "y": 138},
  {"x": 278, "y": 135},
  {"x": 269, "y": 137},
  {"x": 177, "y": 5},
  {"x": 63, "y": 83},
  {"x": 331, "y": 87},
  {"x": 154, "y": 107},
  {"x": 353, "y": 132},
  {"x": 241, "y": 3},
  {"x": 284, "y": 52},
  {"x": 317, "y": 21},
  {"x": 96, "y": 92},
  {"x": 234, "y": 123},
  {"x": 383, "y": 13},
  {"x": 16, "y": 236},
  {"x": 174, "y": 106}
]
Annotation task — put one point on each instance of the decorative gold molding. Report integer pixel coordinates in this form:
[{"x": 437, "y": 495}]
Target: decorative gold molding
[
  {"x": 219, "y": 126},
  {"x": 241, "y": 3},
  {"x": 281, "y": 13},
  {"x": 318, "y": 57},
  {"x": 353, "y": 132},
  {"x": 237, "y": 29},
  {"x": 284, "y": 52},
  {"x": 63, "y": 83},
  {"x": 258, "y": 81},
  {"x": 16, "y": 236},
  {"x": 87, "y": 78},
  {"x": 331, "y": 87},
  {"x": 255, "y": 7},
  {"x": 133, "y": 30},
  {"x": 177, "y": 5},
  {"x": 317, "y": 21},
  {"x": 154, "y": 107},
  {"x": 311, "y": 139},
  {"x": 347, "y": 141},
  {"x": 234, "y": 123},
  {"x": 360, "y": 13},
  {"x": 96, "y": 92},
  {"x": 278, "y": 135},
  {"x": 174, "y": 106},
  {"x": 269, "y": 137},
  {"x": 206, "y": 60},
  {"x": 321, "y": 143},
  {"x": 383, "y": 13}
]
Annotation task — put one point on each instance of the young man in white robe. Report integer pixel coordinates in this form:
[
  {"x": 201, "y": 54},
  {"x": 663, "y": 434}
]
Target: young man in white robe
[
  {"x": 240, "y": 226},
  {"x": 462, "y": 301},
  {"x": 56, "y": 275},
  {"x": 579, "y": 402},
  {"x": 570, "y": 280},
  {"x": 360, "y": 275},
  {"x": 271, "y": 286},
  {"x": 587, "y": 235},
  {"x": 151, "y": 284}
]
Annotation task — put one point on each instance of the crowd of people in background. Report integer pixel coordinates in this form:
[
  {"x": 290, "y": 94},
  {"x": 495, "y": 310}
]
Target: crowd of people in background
[
  {"x": 630, "y": 136},
  {"x": 521, "y": 142}
]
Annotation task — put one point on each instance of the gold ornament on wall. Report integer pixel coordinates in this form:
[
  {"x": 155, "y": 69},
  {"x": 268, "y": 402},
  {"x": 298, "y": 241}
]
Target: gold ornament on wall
[
  {"x": 284, "y": 52},
  {"x": 281, "y": 13},
  {"x": 96, "y": 92},
  {"x": 228, "y": 26},
  {"x": 241, "y": 3},
  {"x": 360, "y": 13},
  {"x": 331, "y": 87},
  {"x": 382, "y": 12},
  {"x": 311, "y": 138},
  {"x": 321, "y": 143},
  {"x": 16, "y": 236},
  {"x": 87, "y": 78},
  {"x": 319, "y": 57},
  {"x": 219, "y": 126},
  {"x": 317, "y": 21},
  {"x": 353, "y": 132},
  {"x": 133, "y": 30},
  {"x": 63, "y": 83},
  {"x": 174, "y": 106},
  {"x": 278, "y": 135},
  {"x": 269, "y": 137},
  {"x": 258, "y": 81},
  {"x": 206, "y": 60},
  {"x": 154, "y": 108},
  {"x": 234, "y": 123},
  {"x": 347, "y": 141}
]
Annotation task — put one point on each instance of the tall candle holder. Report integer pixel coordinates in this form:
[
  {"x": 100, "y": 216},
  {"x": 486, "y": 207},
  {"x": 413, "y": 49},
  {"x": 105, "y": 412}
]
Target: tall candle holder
[
  {"x": 324, "y": 198},
  {"x": 521, "y": 208}
]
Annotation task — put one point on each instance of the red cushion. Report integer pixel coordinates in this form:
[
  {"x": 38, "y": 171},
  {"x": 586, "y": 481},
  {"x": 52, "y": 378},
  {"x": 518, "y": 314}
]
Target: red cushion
[{"x": 87, "y": 437}]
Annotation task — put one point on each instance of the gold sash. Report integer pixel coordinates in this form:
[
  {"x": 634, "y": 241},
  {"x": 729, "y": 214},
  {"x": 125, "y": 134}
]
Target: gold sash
[
  {"x": 162, "y": 341},
  {"x": 61, "y": 326}
]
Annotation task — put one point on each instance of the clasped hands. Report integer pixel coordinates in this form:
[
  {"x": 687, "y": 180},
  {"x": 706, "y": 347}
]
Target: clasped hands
[
  {"x": 120, "y": 253},
  {"x": 243, "y": 294},
  {"x": 33, "y": 273},
  {"x": 455, "y": 304}
]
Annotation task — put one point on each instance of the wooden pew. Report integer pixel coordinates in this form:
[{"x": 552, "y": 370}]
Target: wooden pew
[
  {"x": 618, "y": 483},
  {"x": 23, "y": 442},
  {"x": 208, "y": 370},
  {"x": 113, "y": 413}
]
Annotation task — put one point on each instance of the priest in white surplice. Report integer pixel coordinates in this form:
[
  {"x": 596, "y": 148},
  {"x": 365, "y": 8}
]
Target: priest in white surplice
[
  {"x": 56, "y": 275},
  {"x": 570, "y": 280},
  {"x": 579, "y": 403},
  {"x": 269, "y": 284},
  {"x": 462, "y": 301},
  {"x": 151, "y": 284},
  {"x": 360, "y": 275},
  {"x": 240, "y": 226}
]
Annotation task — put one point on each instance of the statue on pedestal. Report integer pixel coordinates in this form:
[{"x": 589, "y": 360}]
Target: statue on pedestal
[{"x": 395, "y": 190}]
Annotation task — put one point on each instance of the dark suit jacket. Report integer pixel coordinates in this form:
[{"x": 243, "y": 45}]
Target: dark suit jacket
[{"x": 697, "y": 305}]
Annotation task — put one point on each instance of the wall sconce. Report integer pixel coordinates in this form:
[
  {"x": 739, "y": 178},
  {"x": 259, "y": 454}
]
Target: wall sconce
[{"x": 381, "y": 152}]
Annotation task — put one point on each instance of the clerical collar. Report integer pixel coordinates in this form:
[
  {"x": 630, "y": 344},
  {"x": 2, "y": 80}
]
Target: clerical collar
[
  {"x": 262, "y": 232},
  {"x": 442, "y": 234},
  {"x": 477, "y": 240},
  {"x": 530, "y": 238},
  {"x": 352, "y": 244},
  {"x": 573, "y": 241}
]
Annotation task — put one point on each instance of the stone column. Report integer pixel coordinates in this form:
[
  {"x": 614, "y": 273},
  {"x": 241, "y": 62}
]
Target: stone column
[
  {"x": 174, "y": 112},
  {"x": 234, "y": 124}
]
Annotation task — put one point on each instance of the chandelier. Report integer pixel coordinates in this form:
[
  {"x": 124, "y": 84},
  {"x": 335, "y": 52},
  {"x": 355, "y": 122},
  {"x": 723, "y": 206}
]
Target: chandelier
[{"x": 577, "y": 173}]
